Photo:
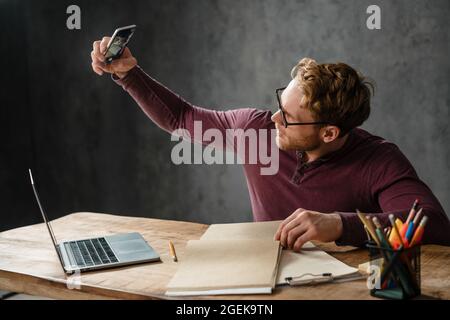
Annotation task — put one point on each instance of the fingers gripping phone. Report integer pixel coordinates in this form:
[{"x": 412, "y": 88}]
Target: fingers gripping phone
[{"x": 118, "y": 42}]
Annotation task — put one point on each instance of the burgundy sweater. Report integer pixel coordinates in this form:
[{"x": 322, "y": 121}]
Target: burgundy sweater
[{"x": 368, "y": 173}]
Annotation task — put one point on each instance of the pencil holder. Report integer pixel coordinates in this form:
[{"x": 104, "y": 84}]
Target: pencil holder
[{"x": 396, "y": 272}]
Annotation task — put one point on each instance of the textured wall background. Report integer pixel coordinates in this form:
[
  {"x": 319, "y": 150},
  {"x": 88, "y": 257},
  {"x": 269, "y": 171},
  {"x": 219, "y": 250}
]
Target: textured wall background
[{"x": 92, "y": 148}]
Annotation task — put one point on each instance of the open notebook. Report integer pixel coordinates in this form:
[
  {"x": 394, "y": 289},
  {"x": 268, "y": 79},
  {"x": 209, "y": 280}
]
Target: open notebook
[
  {"x": 304, "y": 267},
  {"x": 239, "y": 258},
  {"x": 218, "y": 266}
]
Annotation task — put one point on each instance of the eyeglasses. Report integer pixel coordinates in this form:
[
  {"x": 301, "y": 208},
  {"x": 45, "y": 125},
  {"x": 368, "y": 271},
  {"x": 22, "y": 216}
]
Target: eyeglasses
[{"x": 283, "y": 115}]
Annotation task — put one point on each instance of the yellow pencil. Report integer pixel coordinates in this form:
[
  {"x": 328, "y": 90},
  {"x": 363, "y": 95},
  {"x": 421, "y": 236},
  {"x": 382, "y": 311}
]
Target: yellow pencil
[{"x": 172, "y": 251}]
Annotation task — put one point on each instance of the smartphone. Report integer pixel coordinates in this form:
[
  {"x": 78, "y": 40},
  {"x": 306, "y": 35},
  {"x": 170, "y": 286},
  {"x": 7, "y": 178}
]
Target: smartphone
[{"x": 118, "y": 42}]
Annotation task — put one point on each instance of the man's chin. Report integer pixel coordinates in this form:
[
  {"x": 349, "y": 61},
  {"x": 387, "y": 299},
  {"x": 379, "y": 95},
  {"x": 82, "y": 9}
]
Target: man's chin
[{"x": 283, "y": 146}]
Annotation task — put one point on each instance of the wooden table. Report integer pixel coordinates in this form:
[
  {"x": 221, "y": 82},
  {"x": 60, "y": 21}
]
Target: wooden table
[{"x": 29, "y": 264}]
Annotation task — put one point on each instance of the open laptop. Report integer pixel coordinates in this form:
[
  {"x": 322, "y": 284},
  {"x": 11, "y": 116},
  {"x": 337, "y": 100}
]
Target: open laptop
[{"x": 99, "y": 253}]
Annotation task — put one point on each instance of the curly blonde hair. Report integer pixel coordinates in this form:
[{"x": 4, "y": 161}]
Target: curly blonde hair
[{"x": 334, "y": 92}]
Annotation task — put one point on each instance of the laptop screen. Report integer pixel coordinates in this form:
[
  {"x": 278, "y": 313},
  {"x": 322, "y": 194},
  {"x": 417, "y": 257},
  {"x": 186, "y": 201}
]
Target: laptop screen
[{"x": 44, "y": 216}]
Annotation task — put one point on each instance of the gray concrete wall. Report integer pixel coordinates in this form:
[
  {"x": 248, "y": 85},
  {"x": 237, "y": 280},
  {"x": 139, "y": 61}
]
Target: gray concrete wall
[{"x": 93, "y": 149}]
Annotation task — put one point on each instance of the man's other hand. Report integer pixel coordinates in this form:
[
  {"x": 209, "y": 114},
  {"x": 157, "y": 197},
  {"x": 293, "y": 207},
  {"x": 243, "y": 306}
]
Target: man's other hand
[{"x": 304, "y": 225}]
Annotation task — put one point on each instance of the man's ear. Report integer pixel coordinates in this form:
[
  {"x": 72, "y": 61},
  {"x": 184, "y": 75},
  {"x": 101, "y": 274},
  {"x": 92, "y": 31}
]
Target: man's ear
[{"x": 329, "y": 133}]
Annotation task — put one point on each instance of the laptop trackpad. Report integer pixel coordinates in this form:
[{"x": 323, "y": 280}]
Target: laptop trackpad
[
  {"x": 136, "y": 249},
  {"x": 129, "y": 246}
]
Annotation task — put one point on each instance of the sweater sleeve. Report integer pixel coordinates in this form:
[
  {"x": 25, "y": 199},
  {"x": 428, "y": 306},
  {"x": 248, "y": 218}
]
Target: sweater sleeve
[
  {"x": 392, "y": 181},
  {"x": 177, "y": 116}
]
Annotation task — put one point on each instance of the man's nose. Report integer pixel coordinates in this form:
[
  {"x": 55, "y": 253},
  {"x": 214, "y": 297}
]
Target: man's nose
[{"x": 276, "y": 117}]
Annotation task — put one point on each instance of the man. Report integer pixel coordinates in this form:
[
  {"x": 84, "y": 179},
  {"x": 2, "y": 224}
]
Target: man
[{"x": 328, "y": 167}]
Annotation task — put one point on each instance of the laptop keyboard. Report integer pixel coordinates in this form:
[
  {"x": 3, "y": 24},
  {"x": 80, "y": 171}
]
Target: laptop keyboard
[{"x": 92, "y": 252}]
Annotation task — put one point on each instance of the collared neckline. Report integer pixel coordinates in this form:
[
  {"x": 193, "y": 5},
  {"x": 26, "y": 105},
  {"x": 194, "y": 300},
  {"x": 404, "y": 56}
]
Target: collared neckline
[{"x": 302, "y": 165}]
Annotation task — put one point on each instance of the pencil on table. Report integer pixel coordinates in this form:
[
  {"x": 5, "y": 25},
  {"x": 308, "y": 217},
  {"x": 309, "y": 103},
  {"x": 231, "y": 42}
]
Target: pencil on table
[{"x": 172, "y": 251}]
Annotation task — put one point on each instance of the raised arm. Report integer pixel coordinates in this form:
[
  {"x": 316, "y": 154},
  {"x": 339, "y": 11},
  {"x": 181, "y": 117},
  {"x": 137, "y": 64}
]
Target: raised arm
[
  {"x": 164, "y": 107},
  {"x": 170, "y": 111}
]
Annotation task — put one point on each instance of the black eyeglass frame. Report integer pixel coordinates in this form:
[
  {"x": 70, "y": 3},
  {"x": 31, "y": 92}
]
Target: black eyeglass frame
[{"x": 283, "y": 115}]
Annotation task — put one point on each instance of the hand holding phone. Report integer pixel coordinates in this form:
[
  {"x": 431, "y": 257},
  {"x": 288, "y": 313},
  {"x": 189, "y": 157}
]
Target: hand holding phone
[
  {"x": 118, "y": 42},
  {"x": 112, "y": 56}
]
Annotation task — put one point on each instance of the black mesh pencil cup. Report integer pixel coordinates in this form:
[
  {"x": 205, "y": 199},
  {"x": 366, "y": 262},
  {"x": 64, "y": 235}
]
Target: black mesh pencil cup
[{"x": 395, "y": 274}]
